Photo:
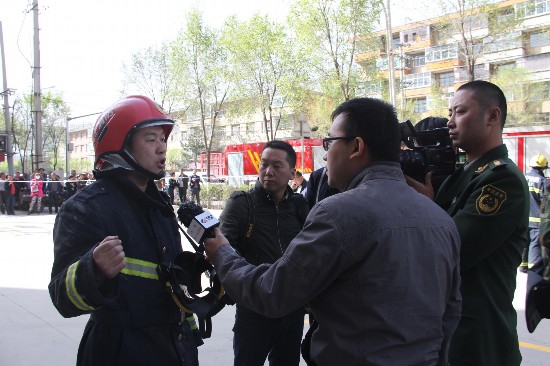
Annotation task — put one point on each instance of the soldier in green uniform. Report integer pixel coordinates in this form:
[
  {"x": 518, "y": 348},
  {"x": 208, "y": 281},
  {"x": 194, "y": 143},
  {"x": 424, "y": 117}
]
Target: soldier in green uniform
[{"x": 488, "y": 199}]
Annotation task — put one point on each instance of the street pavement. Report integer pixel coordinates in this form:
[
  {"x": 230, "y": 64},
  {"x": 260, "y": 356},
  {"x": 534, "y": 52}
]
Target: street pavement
[{"x": 33, "y": 332}]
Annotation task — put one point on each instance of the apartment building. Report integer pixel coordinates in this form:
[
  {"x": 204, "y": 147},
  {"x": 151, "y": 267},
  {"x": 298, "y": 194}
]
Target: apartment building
[
  {"x": 430, "y": 59},
  {"x": 81, "y": 148},
  {"x": 241, "y": 126}
]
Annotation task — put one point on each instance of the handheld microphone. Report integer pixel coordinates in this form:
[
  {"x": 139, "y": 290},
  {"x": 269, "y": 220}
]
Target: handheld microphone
[{"x": 199, "y": 223}]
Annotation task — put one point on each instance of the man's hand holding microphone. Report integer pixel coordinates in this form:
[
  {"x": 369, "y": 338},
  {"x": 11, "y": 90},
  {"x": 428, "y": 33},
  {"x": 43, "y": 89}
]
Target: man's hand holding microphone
[{"x": 203, "y": 227}]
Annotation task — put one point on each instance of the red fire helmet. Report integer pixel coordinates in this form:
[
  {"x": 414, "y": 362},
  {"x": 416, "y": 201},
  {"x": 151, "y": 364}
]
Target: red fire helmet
[{"x": 115, "y": 126}]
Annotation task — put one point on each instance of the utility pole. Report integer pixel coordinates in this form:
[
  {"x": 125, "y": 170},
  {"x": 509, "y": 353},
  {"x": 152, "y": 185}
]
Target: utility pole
[
  {"x": 37, "y": 93},
  {"x": 389, "y": 50},
  {"x": 5, "y": 93}
]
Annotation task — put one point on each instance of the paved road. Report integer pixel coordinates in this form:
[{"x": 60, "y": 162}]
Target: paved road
[{"x": 32, "y": 332}]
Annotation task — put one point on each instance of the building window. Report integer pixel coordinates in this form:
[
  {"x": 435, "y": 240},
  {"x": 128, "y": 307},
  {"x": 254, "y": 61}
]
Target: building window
[
  {"x": 539, "y": 91},
  {"x": 506, "y": 66},
  {"x": 539, "y": 39},
  {"x": 446, "y": 79},
  {"x": 235, "y": 130},
  {"x": 250, "y": 127},
  {"x": 278, "y": 102},
  {"x": 503, "y": 42},
  {"x": 418, "y": 80},
  {"x": 415, "y": 35},
  {"x": 192, "y": 114},
  {"x": 537, "y": 62},
  {"x": 419, "y": 60},
  {"x": 371, "y": 88},
  {"x": 284, "y": 122},
  {"x": 396, "y": 41},
  {"x": 533, "y": 7},
  {"x": 440, "y": 53},
  {"x": 420, "y": 105},
  {"x": 447, "y": 97}
]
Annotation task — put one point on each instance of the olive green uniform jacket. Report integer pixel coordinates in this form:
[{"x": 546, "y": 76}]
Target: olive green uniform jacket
[{"x": 489, "y": 202}]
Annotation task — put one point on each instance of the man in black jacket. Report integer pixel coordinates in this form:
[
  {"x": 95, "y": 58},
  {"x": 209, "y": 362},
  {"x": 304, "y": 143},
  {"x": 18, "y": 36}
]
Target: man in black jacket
[
  {"x": 260, "y": 224},
  {"x": 183, "y": 181},
  {"x": 317, "y": 187},
  {"x": 54, "y": 188}
]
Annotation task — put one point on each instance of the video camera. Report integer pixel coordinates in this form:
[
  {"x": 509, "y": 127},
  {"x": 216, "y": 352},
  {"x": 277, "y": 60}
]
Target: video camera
[{"x": 427, "y": 151}]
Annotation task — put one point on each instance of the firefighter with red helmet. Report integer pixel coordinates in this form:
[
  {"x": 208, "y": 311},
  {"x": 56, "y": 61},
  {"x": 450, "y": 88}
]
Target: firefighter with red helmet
[{"x": 111, "y": 237}]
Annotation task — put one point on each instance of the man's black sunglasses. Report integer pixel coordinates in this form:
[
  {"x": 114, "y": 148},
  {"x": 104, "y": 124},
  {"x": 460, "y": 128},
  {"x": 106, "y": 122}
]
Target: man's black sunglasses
[{"x": 327, "y": 141}]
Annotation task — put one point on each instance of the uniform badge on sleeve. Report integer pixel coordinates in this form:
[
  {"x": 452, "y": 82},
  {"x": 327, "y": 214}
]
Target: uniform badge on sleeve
[{"x": 490, "y": 200}]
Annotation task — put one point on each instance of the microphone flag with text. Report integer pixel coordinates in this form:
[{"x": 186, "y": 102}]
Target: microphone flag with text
[{"x": 199, "y": 223}]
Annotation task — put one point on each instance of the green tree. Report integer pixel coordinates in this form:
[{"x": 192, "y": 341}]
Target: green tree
[
  {"x": 524, "y": 96},
  {"x": 54, "y": 111},
  {"x": 22, "y": 131},
  {"x": 440, "y": 103},
  {"x": 266, "y": 68},
  {"x": 193, "y": 146},
  {"x": 151, "y": 73},
  {"x": 329, "y": 33},
  {"x": 199, "y": 62}
]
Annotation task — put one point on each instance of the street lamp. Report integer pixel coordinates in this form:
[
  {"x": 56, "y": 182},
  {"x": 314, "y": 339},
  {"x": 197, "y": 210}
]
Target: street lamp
[{"x": 67, "y": 119}]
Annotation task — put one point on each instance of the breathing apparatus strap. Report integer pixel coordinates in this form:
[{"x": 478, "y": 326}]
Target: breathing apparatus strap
[{"x": 183, "y": 280}]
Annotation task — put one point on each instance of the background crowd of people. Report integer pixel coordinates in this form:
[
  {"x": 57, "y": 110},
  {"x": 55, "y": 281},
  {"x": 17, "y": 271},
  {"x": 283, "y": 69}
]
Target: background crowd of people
[{"x": 39, "y": 190}]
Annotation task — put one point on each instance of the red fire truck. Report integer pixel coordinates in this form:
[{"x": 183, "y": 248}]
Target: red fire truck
[
  {"x": 524, "y": 142},
  {"x": 240, "y": 162}
]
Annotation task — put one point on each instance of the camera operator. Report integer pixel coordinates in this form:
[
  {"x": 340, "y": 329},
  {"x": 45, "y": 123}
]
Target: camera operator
[{"x": 488, "y": 199}]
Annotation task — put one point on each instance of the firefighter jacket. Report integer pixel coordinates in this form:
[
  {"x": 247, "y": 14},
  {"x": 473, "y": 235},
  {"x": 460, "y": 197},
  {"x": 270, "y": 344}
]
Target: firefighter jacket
[
  {"x": 488, "y": 200},
  {"x": 545, "y": 224},
  {"x": 134, "y": 320},
  {"x": 537, "y": 187}
]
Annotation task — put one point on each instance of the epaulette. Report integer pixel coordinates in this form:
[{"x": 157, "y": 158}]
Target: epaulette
[
  {"x": 498, "y": 163},
  {"x": 495, "y": 164}
]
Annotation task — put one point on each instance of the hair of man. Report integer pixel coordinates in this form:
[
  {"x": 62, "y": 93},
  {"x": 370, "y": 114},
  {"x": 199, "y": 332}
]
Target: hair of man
[
  {"x": 285, "y": 146},
  {"x": 376, "y": 123},
  {"x": 488, "y": 95}
]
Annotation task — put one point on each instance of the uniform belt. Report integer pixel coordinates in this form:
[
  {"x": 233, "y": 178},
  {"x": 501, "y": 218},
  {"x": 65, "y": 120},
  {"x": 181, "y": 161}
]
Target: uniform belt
[{"x": 137, "y": 318}]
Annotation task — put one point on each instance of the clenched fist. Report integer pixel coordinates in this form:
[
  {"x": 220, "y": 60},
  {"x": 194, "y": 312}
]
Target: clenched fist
[{"x": 109, "y": 258}]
